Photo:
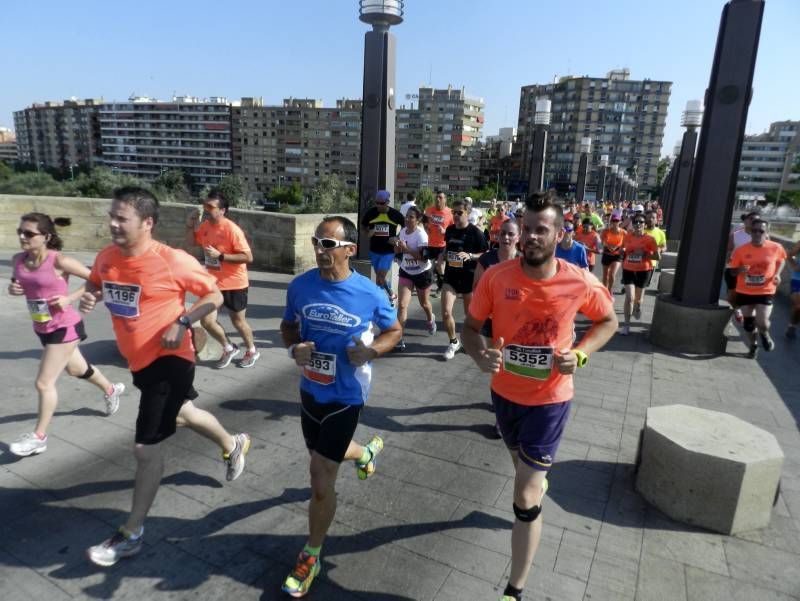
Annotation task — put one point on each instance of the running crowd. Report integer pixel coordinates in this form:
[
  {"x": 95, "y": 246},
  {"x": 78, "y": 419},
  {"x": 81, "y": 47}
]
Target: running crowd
[{"x": 523, "y": 271}]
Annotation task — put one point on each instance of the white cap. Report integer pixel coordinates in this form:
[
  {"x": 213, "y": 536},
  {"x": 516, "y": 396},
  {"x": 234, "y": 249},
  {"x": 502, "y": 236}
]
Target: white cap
[{"x": 638, "y": 208}]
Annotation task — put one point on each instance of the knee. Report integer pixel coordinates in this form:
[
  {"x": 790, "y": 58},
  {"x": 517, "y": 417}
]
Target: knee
[
  {"x": 147, "y": 453},
  {"x": 238, "y": 320},
  {"x": 749, "y": 324},
  {"x": 184, "y": 417},
  {"x": 43, "y": 385},
  {"x": 322, "y": 484}
]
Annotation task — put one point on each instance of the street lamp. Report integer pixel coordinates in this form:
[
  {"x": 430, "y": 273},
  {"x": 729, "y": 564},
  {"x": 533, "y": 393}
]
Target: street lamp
[
  {"x": 580, "y": 189},
  {"x": 614, "y": 169},
  {"x": 603, "y": 168},
  {"x": 676, "y": 216},
  {"x": 541, "y": 121}
]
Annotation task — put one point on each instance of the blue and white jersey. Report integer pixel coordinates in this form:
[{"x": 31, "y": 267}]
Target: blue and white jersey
[{"x": 330, "y": 314}]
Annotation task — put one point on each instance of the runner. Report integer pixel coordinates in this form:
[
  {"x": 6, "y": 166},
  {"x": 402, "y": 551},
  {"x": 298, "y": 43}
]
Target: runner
[
  {"x": 591, "y": 240},
  {"x": 613, "y": 239},
  {"x": 465, "y": 244},
  {"x": 660, "y": 236},
  {"x": 794, "y": 292},
  {"x": 382, "y": 223},
  {"x": 637, "y": 269},
  {"x": 496, "y": 221},
  {"x": 738, "y": 237},
  {"x": 570, "y": 250},
  {"x": 143, "y": 284},
  {"x": 41, "y": 274},
  {"x": 475, "y": 215},
  {"x": 758, "y": 265},
  {"x": 533, "y": 302},
  {"x": 327, "y": 327},
  {"x": 416, "y": 271},
  {"x": 437, "y": 219},
  {"x": 411, "y": 201},
  {"x": 226, "y": 255}
]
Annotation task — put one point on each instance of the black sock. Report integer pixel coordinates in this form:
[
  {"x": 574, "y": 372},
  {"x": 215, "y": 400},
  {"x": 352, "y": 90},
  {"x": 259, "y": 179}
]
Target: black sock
[
  {"x": 514, "y": 592},
  {"x": 454, "y": 341}
]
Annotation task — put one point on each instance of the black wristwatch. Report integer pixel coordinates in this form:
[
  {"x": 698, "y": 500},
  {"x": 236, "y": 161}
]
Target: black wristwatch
[
  {"x": 185, "y": 322},
  {"x": 221, "y": 257}
]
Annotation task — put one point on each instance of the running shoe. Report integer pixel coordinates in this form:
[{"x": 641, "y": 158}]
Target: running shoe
[
  {"x": 299, "y": 581},
  {"x": 626, "y": 329},
  {"x": 401, "y": 346},
  {"x": 791, "y": 332},
  {"x": 753, "y": 351},
  {"x": 365, "y": 470},
  {"x": 28, "y": 444},
  {"x": 112, "y": 400},
  {"x": 227, "y": 357},
  {"x": 769, "y": 343},
  {"x": 637, "y": 311},
  {"x": 249, "y": 359},
  {"x": 737, "y": 315},
  {"x": 235, "y": 459},
  {"x": 508, "y": 598},
  {"x": 432, "y": 327},
  {"x": 115, "y": 548},
  {"x": 451, "y": 350}
]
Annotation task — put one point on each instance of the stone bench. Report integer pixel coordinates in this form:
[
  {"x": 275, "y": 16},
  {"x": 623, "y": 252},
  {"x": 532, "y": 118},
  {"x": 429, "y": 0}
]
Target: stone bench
[
  {"x": 665, "y": 281},
  {"x": 708, "y": 468},
  {"x": 669, "y": 260}
]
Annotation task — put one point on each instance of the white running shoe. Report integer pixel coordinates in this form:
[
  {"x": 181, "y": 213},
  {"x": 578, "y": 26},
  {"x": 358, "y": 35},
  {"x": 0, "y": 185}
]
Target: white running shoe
[
  {"x": 452, "y": 349},
  {"x": 112, "y": 400},
  {"x": 234, "y": 462},
  {"x": 227, "y": 357},
  {"x": 28, "y": 444},
  {"x": 432, "y": 327},
  {"x": 637, "y": 311},
  {"x": 110, "y": 551}
]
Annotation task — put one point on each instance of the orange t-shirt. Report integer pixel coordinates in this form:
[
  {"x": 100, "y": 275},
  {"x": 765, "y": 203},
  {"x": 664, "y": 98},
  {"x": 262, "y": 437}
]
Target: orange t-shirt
[
  {"x": 612, "y": 242},
  {"x": 227, "y": 238},
  {"x": 637, "y": 249},
  {"x": 763, "y": 261},
  {"x": 535, "y": 318},
  {"x": 494, "y": 227},
  {"x": 145, "y": 295},
  {"x": 591, "y": 240},
  {"x": 438, "y": 217}
]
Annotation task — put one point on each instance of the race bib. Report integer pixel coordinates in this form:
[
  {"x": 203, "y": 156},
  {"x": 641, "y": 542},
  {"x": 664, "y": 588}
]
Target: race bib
[
  {"x": 409, "y": 262},
  {"x": 39, "y": 310},
  {"x": 380, "y": 229},
  {"x": 528, "y": 361},
  {"x": 635, "y": 258},
  {"x": 453, "y": 260},
  {"x": 321, "y": 368},
  {"x": 122, "y": 299},
  {"x": 754, "y": 280},
  {"x": 211, "y": 263}
]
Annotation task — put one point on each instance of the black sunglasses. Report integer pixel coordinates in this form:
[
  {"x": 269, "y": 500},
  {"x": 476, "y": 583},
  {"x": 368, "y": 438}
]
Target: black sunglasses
[
  {"x": 758, "y": 231},
  {"x": 638, "y": 223},
  {"x": 28, "y": 234},
  {"x": 458, "y": 212}
]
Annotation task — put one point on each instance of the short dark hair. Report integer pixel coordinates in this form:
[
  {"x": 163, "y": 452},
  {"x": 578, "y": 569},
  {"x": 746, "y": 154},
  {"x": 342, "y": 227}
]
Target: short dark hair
[
  {"x": 350, "y": 230},
  {"x": 542, "y": 200},
  {"x": 411, "y": 196},
  {"x": 414, "y": 211},
  {"x": 216, "y": 194},
  {"x": 142, "y": 201},
  {"x": 458, "y": 203}
]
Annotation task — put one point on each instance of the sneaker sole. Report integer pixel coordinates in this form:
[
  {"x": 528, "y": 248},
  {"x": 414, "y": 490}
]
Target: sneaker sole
[
  {"x": 244, "y": 365},
  {"x": 115, "y": 408},
  {"x": 37, "y": 451},
  {"x": 245, "y": 450},
  {"x": 221, "y": 365}
]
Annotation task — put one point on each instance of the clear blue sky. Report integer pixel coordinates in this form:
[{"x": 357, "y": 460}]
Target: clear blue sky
[{"x": 52, "y": 50}]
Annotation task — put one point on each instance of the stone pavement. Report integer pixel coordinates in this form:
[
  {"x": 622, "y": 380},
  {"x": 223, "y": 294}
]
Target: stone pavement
[{"x": 433, "y": 524}]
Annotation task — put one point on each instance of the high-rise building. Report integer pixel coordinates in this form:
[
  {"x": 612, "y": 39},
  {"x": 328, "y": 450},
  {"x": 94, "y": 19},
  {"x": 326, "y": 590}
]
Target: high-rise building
[
  {"x": 58, "y": 135},
  {"x": 145, "y": 137},
  {"x": 298, "y": 142},
  {"x": 495, "y": 159},
  {"x": 770, "y": 161},
  {"x": 437, "y": 143},
  {"x": 625, "y": 119},
  {"x": 8, "y": 145}
]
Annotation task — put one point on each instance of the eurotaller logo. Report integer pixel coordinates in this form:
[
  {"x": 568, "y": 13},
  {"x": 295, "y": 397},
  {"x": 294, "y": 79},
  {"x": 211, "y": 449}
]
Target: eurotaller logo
[{"x": 330, "y": 317}]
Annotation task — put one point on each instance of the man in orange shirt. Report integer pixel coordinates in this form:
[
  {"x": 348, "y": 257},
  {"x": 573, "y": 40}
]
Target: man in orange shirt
[
  {"x": 143, "y": 284},
  {"x": 496, "y": 223},
  {"x": 437, "y": 219},
  {"x": 637, "y": 268},
  {"x": 533, "y": 302},
  {"x": 758, "y": 267},
  {"x": 226, "y": 254},
  {"x": 590, "y": 239}
]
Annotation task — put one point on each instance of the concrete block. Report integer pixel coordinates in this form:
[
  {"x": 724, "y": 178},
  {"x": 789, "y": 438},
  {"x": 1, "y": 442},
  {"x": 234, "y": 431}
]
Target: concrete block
[
  {"x": 669, "y": 260},
  {"x": 665, "y": 281},
  {"x": 708, "y": 468},
  {"x": 685, "y": 329},
  {"x": 673, "y": 245}
]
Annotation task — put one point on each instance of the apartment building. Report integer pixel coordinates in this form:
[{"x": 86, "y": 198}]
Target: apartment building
[
  {"x": 144, "y": 137},
  {"x": 58, "y": 135},
  {"x": 625, "y": 119},
  {"x": 437, "y": 143},
  {"x": 8, "y": 145},
  {"x": 495, "y": 159},
  {"x": 770, "y": 161},
  {"x": 298, "y": 142}
]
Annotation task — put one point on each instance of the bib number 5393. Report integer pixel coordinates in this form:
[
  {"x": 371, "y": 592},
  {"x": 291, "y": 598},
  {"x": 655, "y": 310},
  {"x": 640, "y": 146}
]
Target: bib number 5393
[{"x": 321, "y": 368}]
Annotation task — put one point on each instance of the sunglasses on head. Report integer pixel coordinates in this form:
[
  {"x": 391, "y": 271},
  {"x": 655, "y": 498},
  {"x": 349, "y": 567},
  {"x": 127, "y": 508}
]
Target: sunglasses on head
[
  {"x": 329, "y": 243},
  {"x": 27, "y": 233}
]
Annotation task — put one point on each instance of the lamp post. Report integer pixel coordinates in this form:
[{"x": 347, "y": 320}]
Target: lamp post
[
  {"x": 580, "y": 189},
  {"x": 602, "y": 187},
  {"x": 691, "y": 120},
  {"x": 541, "y": 120},
  {"x": 614, "y": 169},
  {"x": 377, "y": 166}
]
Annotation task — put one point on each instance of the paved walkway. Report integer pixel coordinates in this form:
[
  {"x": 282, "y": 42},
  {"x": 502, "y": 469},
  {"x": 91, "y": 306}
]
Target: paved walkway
[{"x": 433, "y": 524}]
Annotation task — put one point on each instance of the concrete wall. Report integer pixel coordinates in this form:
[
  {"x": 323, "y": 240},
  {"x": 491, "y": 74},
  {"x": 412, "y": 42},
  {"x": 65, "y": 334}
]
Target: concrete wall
[{"x": 280, "y": 242}]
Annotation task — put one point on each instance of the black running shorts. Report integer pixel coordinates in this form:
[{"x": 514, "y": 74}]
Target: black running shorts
[
  {"x": 328, "y": 428},
  {"x": 235, "y": 300}
]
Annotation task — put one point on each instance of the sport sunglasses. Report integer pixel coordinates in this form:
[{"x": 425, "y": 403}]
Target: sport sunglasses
[{"x": 329, "y": 243}]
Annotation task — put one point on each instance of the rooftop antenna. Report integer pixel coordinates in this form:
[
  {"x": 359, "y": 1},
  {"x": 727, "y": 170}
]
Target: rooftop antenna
[{"x": 430, "y": 75}]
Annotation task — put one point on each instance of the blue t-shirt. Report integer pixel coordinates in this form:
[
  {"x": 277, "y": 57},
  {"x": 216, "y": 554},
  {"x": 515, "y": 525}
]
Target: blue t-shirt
[
  {"x": 575, "y": 255},
  {"x": 330, "y": 314}
]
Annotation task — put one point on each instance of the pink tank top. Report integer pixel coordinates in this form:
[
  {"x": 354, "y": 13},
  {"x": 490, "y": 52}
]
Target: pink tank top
[{"x": 41, "y": 284}]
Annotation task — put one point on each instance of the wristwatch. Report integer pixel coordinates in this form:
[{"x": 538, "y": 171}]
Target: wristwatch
[
  {"x": 185, "y": 322},
  {"x": 582, "y": 357}
]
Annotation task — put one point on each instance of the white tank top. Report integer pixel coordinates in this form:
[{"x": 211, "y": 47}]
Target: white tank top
[{"x": 740, "y": 237}]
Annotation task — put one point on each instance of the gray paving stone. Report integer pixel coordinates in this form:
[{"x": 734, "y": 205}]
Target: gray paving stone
[
  {"x": 705, "y": 586},
  {"x": 762, "y": 566},
  {"x": 660, "y": 580},
  {"x": 612, "y": 574},
  {"x": 670, "y": 540},
  {"x": 575, "y": 555},
  {"x": 459, "y": 586}
]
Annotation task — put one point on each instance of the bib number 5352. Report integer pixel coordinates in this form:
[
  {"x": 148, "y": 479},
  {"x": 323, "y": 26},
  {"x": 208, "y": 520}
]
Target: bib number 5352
[{"x": 528, "y": 361}]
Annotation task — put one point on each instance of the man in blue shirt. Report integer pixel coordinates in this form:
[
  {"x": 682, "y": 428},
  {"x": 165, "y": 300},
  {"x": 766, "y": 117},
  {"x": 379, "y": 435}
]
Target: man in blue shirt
[
  {"x": 328, "y": 330},
  {"x": 570, "y": 250}
]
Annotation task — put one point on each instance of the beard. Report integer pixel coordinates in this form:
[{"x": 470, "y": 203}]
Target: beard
[{"x": 538, "y": 256}]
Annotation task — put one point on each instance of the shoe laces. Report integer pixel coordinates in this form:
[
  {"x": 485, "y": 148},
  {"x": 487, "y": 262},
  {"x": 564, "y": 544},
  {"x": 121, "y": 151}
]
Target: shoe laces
[{"x": 305, "y": 562}]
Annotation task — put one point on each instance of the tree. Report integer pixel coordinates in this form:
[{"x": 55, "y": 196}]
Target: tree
[
  {"x": 331, "y": 195},
  {"x": 32, "y": 183},
  {"x": 788, "y": 197},
  {"x": 171, "y": 186},
  {"x": 425, "y": 198},
  {"x": 292, "y": 196},
  {"x": 6, "y": 172},
  {"x": 101, "y": 183},
  {"x": 232, "y": 188}
]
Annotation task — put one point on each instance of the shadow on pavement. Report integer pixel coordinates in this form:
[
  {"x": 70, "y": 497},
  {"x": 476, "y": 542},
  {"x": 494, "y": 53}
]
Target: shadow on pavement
[
  {"x": 103, "y": 352},
  {"x": 22, "y": 417}
]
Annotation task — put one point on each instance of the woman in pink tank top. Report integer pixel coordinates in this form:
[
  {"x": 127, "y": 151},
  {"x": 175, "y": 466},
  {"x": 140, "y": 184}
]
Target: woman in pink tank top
[{"x": 41, "y": 274}]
